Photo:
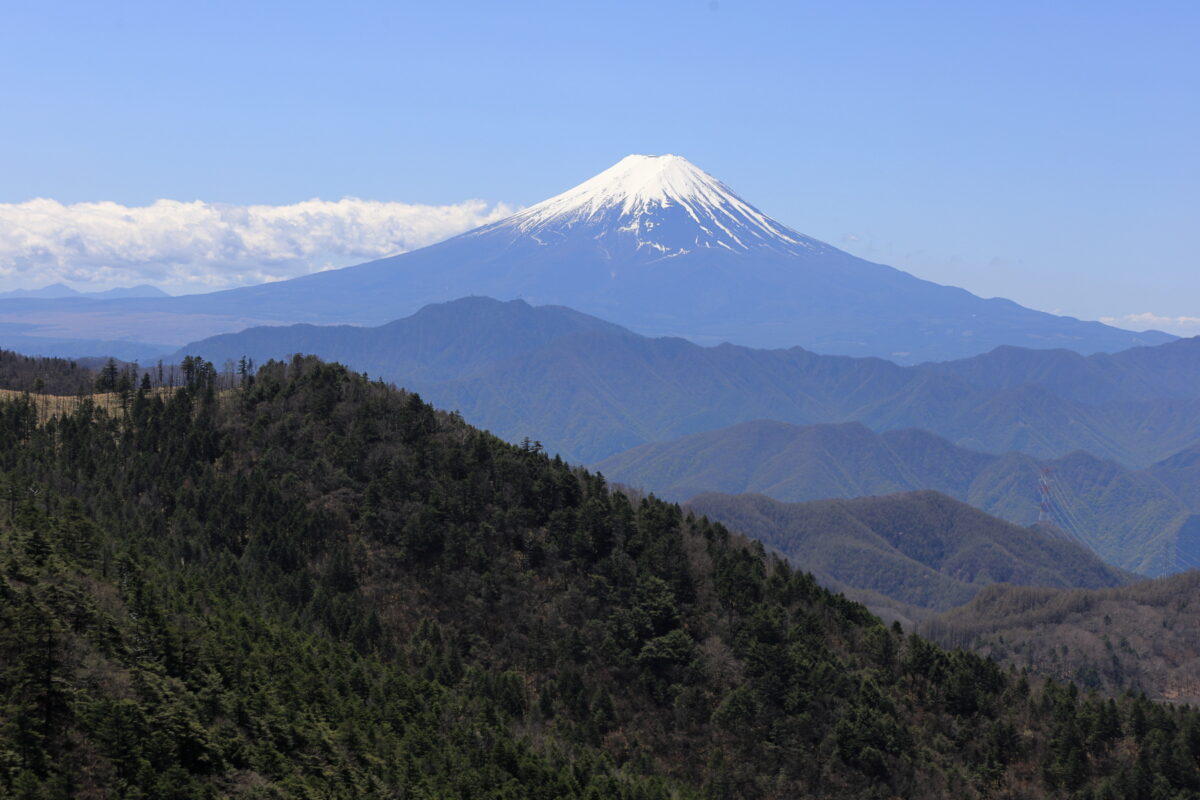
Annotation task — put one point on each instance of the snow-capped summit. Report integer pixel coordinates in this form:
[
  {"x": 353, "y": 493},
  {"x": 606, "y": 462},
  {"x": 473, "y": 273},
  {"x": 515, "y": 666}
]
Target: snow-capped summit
[
  {"x": 658, "y": 245},
  {"x": 658, "y": 205}
]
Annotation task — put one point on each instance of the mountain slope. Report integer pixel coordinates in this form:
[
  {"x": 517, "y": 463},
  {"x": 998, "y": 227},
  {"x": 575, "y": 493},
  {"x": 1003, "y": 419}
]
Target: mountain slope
[
  {"x": 652, "y": 243},
  {"x": 1181, "y": 473},
  {"x": 919, "y": 548},
  {"x": 307, "y": 584},
  {"x": 1144, "y": 637},
  {"x": 797, "y": 463},
  {"x": 1135, "y": 519},
  {"x": 588, "y": 389}
]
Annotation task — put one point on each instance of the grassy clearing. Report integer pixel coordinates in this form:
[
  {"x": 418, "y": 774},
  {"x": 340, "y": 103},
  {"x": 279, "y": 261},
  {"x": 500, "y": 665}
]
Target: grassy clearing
[{"x": 51, "y": 405}]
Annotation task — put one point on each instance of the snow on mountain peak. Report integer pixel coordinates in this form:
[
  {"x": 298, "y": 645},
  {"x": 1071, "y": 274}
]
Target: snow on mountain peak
[
  {"x": 636, "y": 181},
  {"x": 663, "y": 204}
]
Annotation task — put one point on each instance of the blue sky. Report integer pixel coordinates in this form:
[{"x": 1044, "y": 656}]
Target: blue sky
[{"x": 1047, "y": 154}]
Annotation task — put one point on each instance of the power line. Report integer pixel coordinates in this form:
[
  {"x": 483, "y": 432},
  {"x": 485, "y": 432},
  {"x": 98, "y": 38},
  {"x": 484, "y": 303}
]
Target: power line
[
  {"x": 1052, "y": 499},
  {"x": 1067, "y": 507}
]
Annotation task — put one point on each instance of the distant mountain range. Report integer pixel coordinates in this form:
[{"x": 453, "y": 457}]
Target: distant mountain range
[
  {"x": 39, "y": 322},
  {"x": 1145, "y": 521},
  {"x": 922, "y": 550},
  {"x": 57, "y": 291},
  {"x": 652, "y": 243},
  {"x": 589, "y": 389},
  {"x": 28, "y": 339}
]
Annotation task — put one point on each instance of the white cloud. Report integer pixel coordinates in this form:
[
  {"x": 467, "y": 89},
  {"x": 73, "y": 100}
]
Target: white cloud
[
  {"x": 1180, "y": 326},
  {"x": 197, "y": 246}
]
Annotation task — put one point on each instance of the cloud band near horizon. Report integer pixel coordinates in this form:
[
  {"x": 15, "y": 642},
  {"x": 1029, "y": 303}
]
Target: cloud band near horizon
[
  {"x": 1180, "y": 326},
  {"x": 197, "y": 246}
]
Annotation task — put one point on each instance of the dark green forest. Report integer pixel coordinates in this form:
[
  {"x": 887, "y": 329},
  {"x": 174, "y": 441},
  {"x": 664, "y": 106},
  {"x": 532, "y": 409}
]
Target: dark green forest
[
  {"x": 57, "y": 376},
  {"x": 314, "y": 585}
]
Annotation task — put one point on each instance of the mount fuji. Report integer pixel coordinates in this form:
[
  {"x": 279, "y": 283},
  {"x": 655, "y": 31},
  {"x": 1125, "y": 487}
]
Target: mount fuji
[{"x": 657, "y": 245}]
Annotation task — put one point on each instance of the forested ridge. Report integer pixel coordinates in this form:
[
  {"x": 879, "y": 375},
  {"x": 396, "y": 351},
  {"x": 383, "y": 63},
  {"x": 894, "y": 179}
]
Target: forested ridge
[
  {"x": 590, "y": 389},
  {"x": 313, "y": 585}
]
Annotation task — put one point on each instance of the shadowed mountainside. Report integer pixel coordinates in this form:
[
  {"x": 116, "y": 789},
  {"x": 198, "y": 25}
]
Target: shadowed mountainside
[
  {"x": 1139, "y": 520},
  {"x": 922, "y": 549}
]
